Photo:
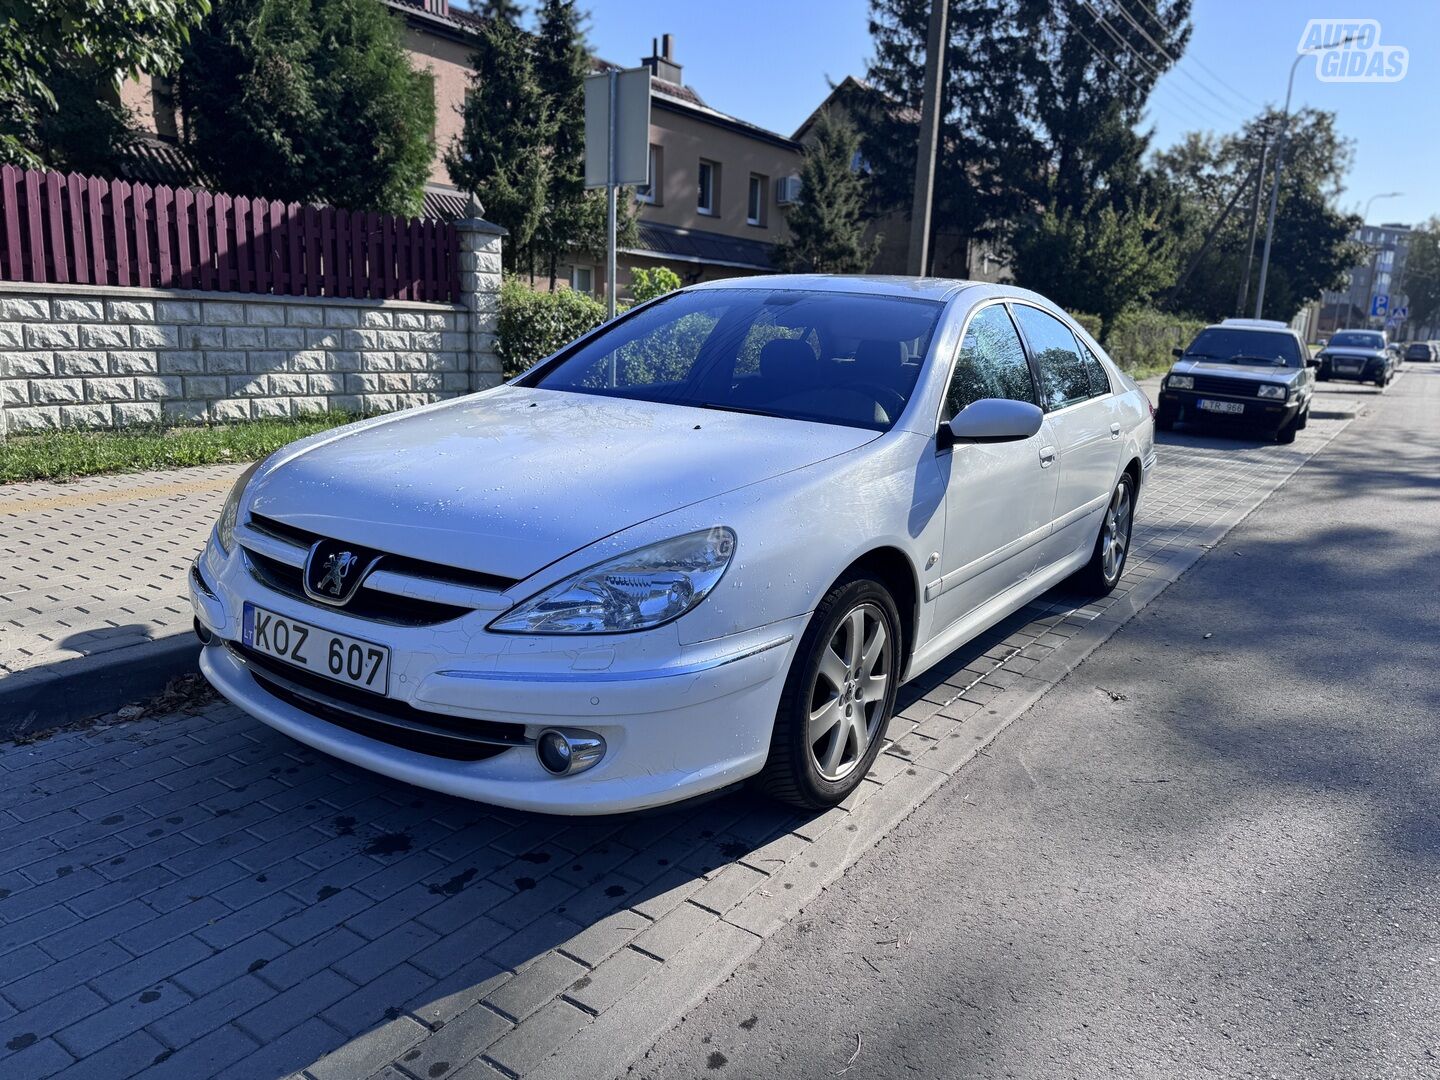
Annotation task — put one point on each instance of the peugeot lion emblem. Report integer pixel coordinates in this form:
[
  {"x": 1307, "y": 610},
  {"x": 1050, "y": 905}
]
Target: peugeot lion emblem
[
  {"x": 333, "y": 573},
  {"x": 337, "y": 567}
]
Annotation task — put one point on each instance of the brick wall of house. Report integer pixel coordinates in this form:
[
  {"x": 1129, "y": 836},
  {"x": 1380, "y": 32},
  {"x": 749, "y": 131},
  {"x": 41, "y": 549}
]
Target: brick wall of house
[{"x": 89, "y": 356}]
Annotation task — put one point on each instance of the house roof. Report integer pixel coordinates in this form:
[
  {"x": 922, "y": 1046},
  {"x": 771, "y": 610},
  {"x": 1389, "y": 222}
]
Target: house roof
[
  {"x": 151, "y": 160},
  {"x": 699, "y": 246}
]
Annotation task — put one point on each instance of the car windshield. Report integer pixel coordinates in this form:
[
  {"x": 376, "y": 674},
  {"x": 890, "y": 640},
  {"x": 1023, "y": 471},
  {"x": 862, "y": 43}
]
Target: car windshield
[
  {"x": 831, "y": 357},
  {"x": 1357, "y": 340},
  {"x": 1218, "y": 345}
]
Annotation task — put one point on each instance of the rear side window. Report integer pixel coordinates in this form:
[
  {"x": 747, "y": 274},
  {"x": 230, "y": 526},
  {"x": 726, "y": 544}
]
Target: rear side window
[
  {"x": 1064, "y": 374},
  {"x": 1099, "y": 378},
  {"x": 991, "y": 363}
]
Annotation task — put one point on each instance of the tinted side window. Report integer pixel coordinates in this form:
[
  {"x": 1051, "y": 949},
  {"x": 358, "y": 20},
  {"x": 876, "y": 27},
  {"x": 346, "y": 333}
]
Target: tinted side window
[
  {"x": 1099, "y": 379},
  {"x": 991, "y": 363},
  {"x": 1064, "y": 379}
]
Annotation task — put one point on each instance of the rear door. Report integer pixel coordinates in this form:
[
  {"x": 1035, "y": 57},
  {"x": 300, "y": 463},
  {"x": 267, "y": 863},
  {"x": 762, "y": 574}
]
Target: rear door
[
  {"x": 999, "y": 496},
  {"x": 1088, "y": 421}
]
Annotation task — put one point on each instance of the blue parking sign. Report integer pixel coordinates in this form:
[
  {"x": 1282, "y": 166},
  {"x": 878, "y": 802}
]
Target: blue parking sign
[{"x": 1379, "y": 305}]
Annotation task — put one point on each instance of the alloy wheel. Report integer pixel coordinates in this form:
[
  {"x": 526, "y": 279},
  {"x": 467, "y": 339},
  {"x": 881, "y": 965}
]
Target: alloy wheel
[
  {"x": 1115, "y": 537},
  {"x": 847, "y": 697}
]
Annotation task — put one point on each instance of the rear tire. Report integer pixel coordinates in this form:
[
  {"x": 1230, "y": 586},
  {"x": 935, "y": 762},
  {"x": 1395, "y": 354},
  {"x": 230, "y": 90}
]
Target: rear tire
[
  {"x": 837, "y": 699},
  {"x": 1112, "y": 547}
]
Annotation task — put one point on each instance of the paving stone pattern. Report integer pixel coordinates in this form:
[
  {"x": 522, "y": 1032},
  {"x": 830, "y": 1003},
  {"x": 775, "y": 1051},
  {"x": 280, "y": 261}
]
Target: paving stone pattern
[
  {"x": 197, "y": 896},
  {"x": 100, "y": 564}
]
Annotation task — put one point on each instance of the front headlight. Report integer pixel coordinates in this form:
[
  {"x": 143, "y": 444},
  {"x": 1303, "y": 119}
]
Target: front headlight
[
  {"x": 636, "y": 591},
  {"x": 230, "y": 512},
  {"x": 1180, "y": 382},
  {"x": 1270, "y": 390}
]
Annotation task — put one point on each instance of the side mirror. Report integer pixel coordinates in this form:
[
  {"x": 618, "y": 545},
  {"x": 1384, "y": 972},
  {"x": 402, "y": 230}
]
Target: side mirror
[
  {"x": 1312, "y": 361},
  {"x": 1177, "y": 352},
  {"x": 992, "y": 420}
]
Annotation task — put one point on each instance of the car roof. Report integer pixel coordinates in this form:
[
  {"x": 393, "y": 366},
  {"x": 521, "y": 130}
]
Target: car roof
[
  {"x": 1269, "y": 326},
  {"x": 923, "y": 288}
]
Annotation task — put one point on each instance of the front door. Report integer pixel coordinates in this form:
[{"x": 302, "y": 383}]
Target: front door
[{"x": 999, "y": 496}]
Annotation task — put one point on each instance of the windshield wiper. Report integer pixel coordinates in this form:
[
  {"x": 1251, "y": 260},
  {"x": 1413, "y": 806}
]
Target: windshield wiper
[{"x": 717, "y": 407}]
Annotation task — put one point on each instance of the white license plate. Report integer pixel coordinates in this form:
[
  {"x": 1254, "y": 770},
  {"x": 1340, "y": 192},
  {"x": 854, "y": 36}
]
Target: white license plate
[
  {"x": 1348, "y": 369},
  {"x": 336, "y": 656},
  {"x": 1222, "y": 406}
]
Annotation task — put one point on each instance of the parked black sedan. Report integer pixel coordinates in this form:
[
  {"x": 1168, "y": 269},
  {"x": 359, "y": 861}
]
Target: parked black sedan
[
  {"x": 1360, "y": 355},
  {"x": 1241, "y": 372}
]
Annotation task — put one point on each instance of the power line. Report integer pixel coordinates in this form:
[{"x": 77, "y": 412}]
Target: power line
[
  {"x": 1174, "y": 61},
  {"x": 1100, "y": 54},
  {"x": 1247, "y": 103},
  {"x": 1155, "y": 70}
]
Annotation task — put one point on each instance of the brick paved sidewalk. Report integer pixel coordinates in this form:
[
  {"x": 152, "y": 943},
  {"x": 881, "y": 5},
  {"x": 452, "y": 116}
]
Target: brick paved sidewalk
[
  {"x": 196, "y": 895},
  {"x": 95, "y": 570}
]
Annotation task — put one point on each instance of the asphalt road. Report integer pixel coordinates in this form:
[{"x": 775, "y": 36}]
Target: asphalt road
[{"x": 1212, "y": 850}]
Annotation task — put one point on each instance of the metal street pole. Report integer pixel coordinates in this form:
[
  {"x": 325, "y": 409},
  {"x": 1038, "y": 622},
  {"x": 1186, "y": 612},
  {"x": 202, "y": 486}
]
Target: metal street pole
[
  {"x": 920, "y": 210},
  {"x": 610, "y": 203},
  {"x": 1279, "y": 167}
]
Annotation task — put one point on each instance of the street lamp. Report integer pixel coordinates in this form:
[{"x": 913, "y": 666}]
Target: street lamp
[{"x": 1279, "y": 165}]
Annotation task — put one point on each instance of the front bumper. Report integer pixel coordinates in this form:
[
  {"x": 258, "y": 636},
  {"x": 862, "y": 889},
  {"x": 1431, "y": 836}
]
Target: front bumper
[
  {"x": 1256, "y": 412},
  {"x": 679, "y": 721},
  {"x": 1353, "y": 370}
]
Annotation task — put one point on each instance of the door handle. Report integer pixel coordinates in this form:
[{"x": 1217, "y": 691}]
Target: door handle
[
  {"x": 1114, "y": 431},
  {"x": 1047, "y": 456}
]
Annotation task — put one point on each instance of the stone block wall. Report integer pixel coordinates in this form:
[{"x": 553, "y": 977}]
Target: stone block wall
[{"x": 91, "y": 356}]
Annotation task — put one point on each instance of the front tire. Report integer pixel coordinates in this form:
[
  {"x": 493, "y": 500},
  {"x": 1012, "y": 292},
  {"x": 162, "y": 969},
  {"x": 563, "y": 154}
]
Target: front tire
[
  {"x": 1112, "y": 547},
  {"x": 838, "y": 698}
]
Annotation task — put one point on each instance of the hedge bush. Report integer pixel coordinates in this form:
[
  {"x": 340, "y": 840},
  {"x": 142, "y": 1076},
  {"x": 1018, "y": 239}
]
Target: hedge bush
[
  {"x": 1141, "y": 339},
  {"x": 534, "y": 324}
]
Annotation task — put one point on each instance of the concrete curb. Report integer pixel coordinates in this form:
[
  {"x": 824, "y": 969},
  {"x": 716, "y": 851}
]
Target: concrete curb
[{"x": 59, "y": 694}]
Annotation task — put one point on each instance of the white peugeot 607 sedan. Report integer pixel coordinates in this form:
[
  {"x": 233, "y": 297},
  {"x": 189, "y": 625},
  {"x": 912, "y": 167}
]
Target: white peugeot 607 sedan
[{"x": 704, "y": 543}]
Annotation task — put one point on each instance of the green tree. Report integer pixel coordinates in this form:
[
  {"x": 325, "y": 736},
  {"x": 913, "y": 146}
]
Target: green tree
[
  {"x": 827, "y": 226},
  {"x": 1100, "y": 260},
  {"x": 1421, "y": 284},
  {"x": 62, "y": 63},
  {"x": 502, "y": 153},
  {"x": 1313, "y": 244},
  {"x": 574, "y": 219},
  {"x": 309, "y": 102},
  {"x": 504, "y": 10}
]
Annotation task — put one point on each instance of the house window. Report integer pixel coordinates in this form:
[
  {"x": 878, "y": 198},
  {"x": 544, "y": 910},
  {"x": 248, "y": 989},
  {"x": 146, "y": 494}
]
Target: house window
[
  {"x": 708, "y": 198},
  {"x": 582, "y": 279},
  {"x": 755, "y": 206},
  {"x": 651, "y": 192}
]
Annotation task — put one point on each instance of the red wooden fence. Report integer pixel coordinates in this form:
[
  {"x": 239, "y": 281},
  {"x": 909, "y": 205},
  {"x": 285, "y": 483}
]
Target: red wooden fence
[{"x": 57, "y": 228}]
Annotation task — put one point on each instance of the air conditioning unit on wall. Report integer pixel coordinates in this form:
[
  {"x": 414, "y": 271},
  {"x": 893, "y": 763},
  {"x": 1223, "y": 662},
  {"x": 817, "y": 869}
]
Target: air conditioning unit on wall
[{"x": 787, "y": 190}]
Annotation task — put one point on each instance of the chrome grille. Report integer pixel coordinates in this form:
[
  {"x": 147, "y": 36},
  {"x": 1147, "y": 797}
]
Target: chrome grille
[{"x": 399, "y": 590}]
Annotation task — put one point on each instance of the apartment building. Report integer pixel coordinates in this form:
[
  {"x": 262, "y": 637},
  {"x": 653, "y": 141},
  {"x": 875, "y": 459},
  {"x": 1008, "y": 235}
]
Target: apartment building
[{"x": 1381, "y": 274}]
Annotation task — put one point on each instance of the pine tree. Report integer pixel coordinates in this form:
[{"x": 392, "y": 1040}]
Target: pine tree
[
  {"x": 309, "y": 102},
  {"x": 574, "y": 218},
  {"x": 827, "y": 227},
  {"x": 503, "y": 10},
  {"x": 502, "y": 152}
]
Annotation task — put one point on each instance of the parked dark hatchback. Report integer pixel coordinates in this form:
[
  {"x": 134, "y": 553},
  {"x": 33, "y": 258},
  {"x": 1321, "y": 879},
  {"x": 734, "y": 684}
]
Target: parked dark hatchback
[{"x": 1241, "y": 372}]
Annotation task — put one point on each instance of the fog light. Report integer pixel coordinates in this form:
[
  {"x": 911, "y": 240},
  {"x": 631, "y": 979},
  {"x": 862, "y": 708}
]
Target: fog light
[{"x": 564, "y": 753}]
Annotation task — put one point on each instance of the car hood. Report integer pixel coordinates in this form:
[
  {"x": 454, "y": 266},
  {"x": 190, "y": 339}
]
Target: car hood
[
  {"x": 507, "y": 482},
  {"x": 1251, "y": 372}
]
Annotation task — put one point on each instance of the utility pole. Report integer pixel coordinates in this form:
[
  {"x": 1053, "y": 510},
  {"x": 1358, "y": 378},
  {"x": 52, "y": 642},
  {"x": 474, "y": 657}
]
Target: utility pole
[
  {"x": 928, "y": 149},
  {"x": 1254, "y": 223},
  {"x": 1279, "y": 167}
]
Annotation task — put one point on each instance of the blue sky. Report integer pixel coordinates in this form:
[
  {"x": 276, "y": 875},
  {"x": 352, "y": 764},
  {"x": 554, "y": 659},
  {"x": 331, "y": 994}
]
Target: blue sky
[{"x": 769, "y": 61}]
